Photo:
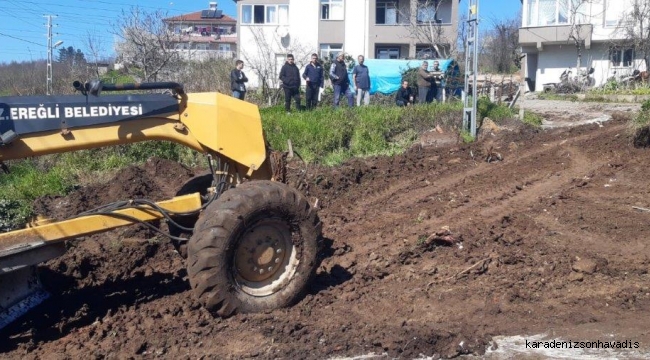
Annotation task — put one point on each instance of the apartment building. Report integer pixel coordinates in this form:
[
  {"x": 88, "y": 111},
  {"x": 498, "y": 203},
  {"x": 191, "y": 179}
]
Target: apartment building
[
  {"x": 381, "y": 29},
  {"x": 546, "y": 39},
  {"x": 204, "y": 34}
]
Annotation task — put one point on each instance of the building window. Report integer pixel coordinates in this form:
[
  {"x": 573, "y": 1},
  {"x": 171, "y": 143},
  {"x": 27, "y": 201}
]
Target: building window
[
  {"x": 331, "y": 9},
  {"x": 283, "y": 14},
  {"x": 265, "y": 14},
  {"x": 425, "y": 52},
  {"x": 329, "y": 51},
  {"x": 427, "y": 11},
  {"x": 549, "y": 12},
  {"x": 387, "y": 12},
  {"x": 387, "y": 52},
  {"x": 224, "y": 47},
  {"x": 201, "y": 46},
  {"x": 621, "y": 57},
  {"x": 614, "y": 13}
]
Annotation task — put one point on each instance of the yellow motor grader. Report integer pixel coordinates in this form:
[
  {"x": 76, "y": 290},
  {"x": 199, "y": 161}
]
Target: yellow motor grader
[{"x": 255, "y": 240}]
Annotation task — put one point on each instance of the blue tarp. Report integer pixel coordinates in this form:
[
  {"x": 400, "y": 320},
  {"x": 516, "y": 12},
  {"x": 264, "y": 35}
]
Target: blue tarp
[{"x": 386, "y": 75}]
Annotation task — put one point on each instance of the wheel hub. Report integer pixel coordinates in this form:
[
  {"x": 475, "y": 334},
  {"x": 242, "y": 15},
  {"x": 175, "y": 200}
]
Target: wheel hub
[{"x": 262, "y": 252}]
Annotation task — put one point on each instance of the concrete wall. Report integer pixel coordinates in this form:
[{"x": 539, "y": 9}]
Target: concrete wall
[
  {"x": 356, "y": 27},
  {"x": 556, "y": 58},
  {"x": 594, "y": 12}
]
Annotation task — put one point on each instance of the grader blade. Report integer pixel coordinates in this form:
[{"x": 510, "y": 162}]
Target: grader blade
[{"x": 20, "y": 291}]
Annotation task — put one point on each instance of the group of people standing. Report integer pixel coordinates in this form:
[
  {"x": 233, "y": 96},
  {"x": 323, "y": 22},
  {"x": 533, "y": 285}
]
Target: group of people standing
[
  {"x": 314, "y": 75},
  {"x": 428, "y": 83}
]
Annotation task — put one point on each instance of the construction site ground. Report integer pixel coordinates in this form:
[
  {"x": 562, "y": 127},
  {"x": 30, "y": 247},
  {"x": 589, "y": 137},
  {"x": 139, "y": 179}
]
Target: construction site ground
[{"x": 433, "y": 253}]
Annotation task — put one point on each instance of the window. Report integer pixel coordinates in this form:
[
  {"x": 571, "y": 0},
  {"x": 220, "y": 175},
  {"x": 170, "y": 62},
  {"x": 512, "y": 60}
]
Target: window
[
  {"x": 621, "y": 57},
  {"x": 283, "y": 11},
  {"x": 331, "y": 9},
  {"x": 265, "y": 14},
  {"x": 201, "y": 46},
  {"x": 425, "y": 52},
  {"x": 246, "y": 14},
  {"x": 258, "y": 14},
  {"x": 387, "y": 12},
  {"x": 329, "y": 51},
  {"x": 614, "y": 13},
  {"x": 549, "y": 12},
  {"x": 385, "y": 52},
  {"x": 427, "y": 11},
  {"x": 182, "y": 46},
  {"x": 224, "y": 47}
]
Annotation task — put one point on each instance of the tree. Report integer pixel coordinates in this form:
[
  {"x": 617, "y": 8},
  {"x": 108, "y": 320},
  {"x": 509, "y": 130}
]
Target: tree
[
  {"x": 636, "y": 29},
  {"x": 261, "y": 58},
  {"x": 146, "y": 44},
  {"x": 71, "y": 57},
  {"x": 426, "y": 27},
  {"x": 501, "y": 46}
]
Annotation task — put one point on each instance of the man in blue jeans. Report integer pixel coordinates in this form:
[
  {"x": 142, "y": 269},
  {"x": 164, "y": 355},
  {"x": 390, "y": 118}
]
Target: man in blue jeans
[
  {"x": 238, "y": 80},
  {"x": 339, "y": 77}
]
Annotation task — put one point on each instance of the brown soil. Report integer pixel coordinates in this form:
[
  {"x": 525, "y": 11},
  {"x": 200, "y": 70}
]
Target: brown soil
[{"x": 432, "y": 252}]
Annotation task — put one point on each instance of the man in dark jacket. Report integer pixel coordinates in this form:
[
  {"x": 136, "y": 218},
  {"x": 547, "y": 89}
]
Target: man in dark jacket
[
  {"x": 238, "y": 80},
  {"x": 404, "y": 95},
  {"x": 339, "y": 76},
  {"x": 290, "y": 77},
  {"x": 313, "y": 74}
]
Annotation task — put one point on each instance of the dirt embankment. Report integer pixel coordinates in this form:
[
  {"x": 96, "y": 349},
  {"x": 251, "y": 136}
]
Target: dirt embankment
[{"x": 431, "y": 252}]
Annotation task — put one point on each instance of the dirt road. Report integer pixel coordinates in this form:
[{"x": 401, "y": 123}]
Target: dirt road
[{"x": 431, "y": 253}]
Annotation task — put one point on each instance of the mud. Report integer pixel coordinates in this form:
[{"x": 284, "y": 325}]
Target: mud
[{"x": 430, "y": 253}]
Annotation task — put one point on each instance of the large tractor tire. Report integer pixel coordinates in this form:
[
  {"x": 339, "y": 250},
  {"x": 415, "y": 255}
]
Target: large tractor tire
[{"x": 254, "y": 249}]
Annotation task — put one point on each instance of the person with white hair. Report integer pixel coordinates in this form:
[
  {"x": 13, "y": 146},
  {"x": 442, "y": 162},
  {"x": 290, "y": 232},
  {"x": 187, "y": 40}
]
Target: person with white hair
[{"x": 340, "y": 81}]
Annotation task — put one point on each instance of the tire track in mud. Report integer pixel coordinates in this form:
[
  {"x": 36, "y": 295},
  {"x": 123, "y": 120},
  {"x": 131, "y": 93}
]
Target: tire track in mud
[
  {"x": 508, "y": 194},
  {"x": 398, "y": 189}
]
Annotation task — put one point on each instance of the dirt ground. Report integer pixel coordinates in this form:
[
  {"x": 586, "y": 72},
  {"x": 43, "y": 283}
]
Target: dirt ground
[{"x": 431, "y": 253}]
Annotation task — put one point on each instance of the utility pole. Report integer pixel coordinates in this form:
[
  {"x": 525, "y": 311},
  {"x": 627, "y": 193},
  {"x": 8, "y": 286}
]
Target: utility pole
[
  {"x": 471, "y": 69},
  {"x": 49, "y": 54}
]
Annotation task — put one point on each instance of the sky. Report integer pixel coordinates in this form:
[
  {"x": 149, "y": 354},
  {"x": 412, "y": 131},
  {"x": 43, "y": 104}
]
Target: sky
[{"x": 23, "y": 27}]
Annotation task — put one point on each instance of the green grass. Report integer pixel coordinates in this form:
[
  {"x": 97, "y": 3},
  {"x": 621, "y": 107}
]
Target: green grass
[
  {"x": 332, "y": 136},
  {"x": 25, "y": 183},
  {"x": 532, "y": 119}
]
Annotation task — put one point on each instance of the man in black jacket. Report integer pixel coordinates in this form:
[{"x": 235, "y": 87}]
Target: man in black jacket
[
  {"x": 404, "y": 95},
  {"x": 340, "y": 80},
  {"x": 313, "y": 74},
  {"x": 238, "y": 80},
  {"x": 290, "y": 77}
]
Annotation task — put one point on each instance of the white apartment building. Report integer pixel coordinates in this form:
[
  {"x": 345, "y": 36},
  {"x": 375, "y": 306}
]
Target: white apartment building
[
  {"x": 545, "y": 39},
  {"x": 269, "y": 29}
]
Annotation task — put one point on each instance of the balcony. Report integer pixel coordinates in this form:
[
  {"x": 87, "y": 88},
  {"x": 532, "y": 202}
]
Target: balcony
[
  {"x": 202, "y": 55},
  {"x": 548, "y": 35}
]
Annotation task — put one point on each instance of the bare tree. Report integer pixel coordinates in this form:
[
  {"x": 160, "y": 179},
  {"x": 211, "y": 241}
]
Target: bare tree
[
  {"x": 426, "y": 27},
  {"x": 579, "y": 18},
  {"x": 636, "y": 29},
  {"x": 501, "y": 47},
  {"x": 146, "y": 45},
  {"x": 95, "y": 47},
  {"x": 262, "y": 59}
]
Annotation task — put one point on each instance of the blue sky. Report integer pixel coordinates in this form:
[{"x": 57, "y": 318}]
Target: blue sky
[{"x": 23, "y": 27}]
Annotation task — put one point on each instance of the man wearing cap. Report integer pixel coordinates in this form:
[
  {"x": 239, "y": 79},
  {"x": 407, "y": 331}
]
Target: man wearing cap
[{"x": 340, "y": 81}]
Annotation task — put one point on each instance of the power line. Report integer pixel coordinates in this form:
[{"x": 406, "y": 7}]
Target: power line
[{"x": 17, "y": 38}]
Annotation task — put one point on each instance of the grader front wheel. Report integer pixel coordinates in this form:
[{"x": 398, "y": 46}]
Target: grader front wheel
[{"x": 255, "y": 248}]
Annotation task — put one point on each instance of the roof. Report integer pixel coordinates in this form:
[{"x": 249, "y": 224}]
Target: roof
[{"x": 196, "y": 17}]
